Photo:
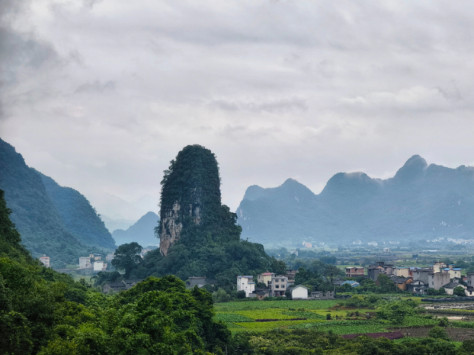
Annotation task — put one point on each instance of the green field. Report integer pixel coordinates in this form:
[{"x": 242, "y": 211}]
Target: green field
[{"x": 269, "y": 315}]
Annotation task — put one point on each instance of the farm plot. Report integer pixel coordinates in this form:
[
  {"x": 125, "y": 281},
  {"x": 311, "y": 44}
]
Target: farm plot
[{"x": 320, "y": 314}]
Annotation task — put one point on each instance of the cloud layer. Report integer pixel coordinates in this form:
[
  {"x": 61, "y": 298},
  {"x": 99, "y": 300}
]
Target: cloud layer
[{"x": 101, "y": 95}]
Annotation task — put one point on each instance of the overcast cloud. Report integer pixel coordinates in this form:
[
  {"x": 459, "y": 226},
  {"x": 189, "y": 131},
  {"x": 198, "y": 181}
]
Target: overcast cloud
[{"x": 101, "y": 95}]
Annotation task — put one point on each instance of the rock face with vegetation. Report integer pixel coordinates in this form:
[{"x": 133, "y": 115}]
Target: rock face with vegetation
[
  {"x": 420, "y": 202},
  {"x": 198, "y": 235},
  {"x": 190, "y": 193},
  {"x": 52, "y": 220}
]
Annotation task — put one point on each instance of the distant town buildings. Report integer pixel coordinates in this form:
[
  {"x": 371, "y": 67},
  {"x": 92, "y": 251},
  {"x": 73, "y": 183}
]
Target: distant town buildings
[{"x": 45, "y": 260}]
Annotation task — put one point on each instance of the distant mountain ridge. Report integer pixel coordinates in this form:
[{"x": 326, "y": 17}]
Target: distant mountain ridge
[
  {"x": 51, "y": 219},
  {"x": 421, "y": 201},
  {"x": 142, "y": 231}
]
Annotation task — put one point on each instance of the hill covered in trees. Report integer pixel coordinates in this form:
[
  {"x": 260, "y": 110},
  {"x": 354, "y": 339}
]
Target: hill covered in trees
[
  {"x": 198, "y": 235},
  {"x": 420, "y": 202},
  {"x": 46, "y": 312},
  {"x": 52, "y": 220}
]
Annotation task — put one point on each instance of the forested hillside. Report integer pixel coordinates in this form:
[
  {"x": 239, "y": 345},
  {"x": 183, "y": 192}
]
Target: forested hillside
[
  {"x": 45, "y": 312},
  {"x": 52, "y": 220}
]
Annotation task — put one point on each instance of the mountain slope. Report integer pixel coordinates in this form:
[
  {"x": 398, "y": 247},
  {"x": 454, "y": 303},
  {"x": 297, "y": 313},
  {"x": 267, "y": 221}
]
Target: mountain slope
[
  {"x": 420, "y": 201},
  {"x": 34, "y": 214},
  {"x": 142, "y": 231},
  {"x": 77, "y": 215}
]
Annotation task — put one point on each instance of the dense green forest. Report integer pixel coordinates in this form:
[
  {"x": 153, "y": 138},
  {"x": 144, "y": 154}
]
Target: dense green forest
[
  {"x": 52, "y": 220},
  {"x": 42, "y": 311}
]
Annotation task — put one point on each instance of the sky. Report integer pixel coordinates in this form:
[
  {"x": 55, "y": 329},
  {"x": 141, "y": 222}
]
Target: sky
[{"x": 101, "y": 95}]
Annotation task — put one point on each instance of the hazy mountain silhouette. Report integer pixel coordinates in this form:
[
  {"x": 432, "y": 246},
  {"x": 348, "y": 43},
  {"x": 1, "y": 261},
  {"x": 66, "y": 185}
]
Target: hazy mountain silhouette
[
  {"x": 142, "y": 231},
  {"x": 421, "y": 201}
]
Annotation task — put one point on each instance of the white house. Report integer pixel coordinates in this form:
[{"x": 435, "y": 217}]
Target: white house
[
  {"x": 45, "y": 260},
  {"x": 85, "y": 262},
  {"x": 245, "y": 283},
  {"x": 299, "y": 293},
  {"x": 99, "y": 266}
]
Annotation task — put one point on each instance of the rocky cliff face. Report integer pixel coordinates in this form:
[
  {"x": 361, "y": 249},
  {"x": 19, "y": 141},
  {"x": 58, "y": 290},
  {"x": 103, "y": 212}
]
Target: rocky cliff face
[
  {"x": 170, "y": 228},
  {"x": 190, "y": 192}
]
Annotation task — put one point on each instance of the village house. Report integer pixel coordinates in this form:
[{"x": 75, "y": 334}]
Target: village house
[
  {"x": 99, "y": 266},
  {"x": 470, "y": 279},
  {"x": 422, "y": 274},
  {"x": 401, "y": 282},
  {"x": 260, "y": 293},
  {"x": 291, "y": 274},
  {"x": 417, "y": 286},
  {"x": 378, "y": 268},
  {"x": 355, "y": 271},
  {"x": 278, "y": 286},
  {"x": 198, "y": 281},
  {"x": 402, "y": 271},
  {"x": 351, "y": 283},
  {"x": 299, "y": 292},
  {"x": 449, "y": 287},
  {"x": 454, "y": 272},
  {"x": 45, "y": 260},
  {"x": 246, "y": 284},
  {"x": 436, "y": 280},
  {"x": 438, "y": 266},
  {"x": 85, "y": 262},
  {"x": 117, "y": 286},
  {"x": 265, "y": 278}
]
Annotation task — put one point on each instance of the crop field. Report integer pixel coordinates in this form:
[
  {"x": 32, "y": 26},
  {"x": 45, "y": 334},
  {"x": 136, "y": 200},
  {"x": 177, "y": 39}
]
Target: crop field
[
  {"x": 324, "y": 315},
  {"x": 268, "y": 315}
]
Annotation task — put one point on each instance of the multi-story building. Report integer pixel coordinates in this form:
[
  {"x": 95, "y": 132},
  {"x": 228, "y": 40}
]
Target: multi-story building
[
  {"x": 379, "y": 268},
  {"x": 402, "y": 271},
  {"x": 265, "y": 278},
  {"x": 355, "y": 271},
  {"x": 436, "y": 280},
  {"x": 245, "y": 283},
  {"x": 278, "y": 286}
]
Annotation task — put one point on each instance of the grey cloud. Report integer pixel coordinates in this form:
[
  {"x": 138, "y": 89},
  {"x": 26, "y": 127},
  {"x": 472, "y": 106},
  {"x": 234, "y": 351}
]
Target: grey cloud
[
  {"x": 300, "y": 88},
  {"x": 96, "y": 87},
  {"x": 270, "y": 106}
]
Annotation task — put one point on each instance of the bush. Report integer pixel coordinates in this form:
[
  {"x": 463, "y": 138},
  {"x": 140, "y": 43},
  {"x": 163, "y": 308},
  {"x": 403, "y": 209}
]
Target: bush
[{"x": 438, "y": 333}]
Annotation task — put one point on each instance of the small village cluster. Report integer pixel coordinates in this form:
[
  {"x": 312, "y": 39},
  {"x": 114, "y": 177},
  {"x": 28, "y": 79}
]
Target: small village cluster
[
  {"x": 94, "y": 262},
  {"x": 418, "y": 280},
  {"x": 277, "y": 286},
  {"x": 412, "y": 279}
]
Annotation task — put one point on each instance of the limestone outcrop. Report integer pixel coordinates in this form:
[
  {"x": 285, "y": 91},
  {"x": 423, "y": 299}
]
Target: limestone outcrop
[{"x": 190, "y": 193}]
